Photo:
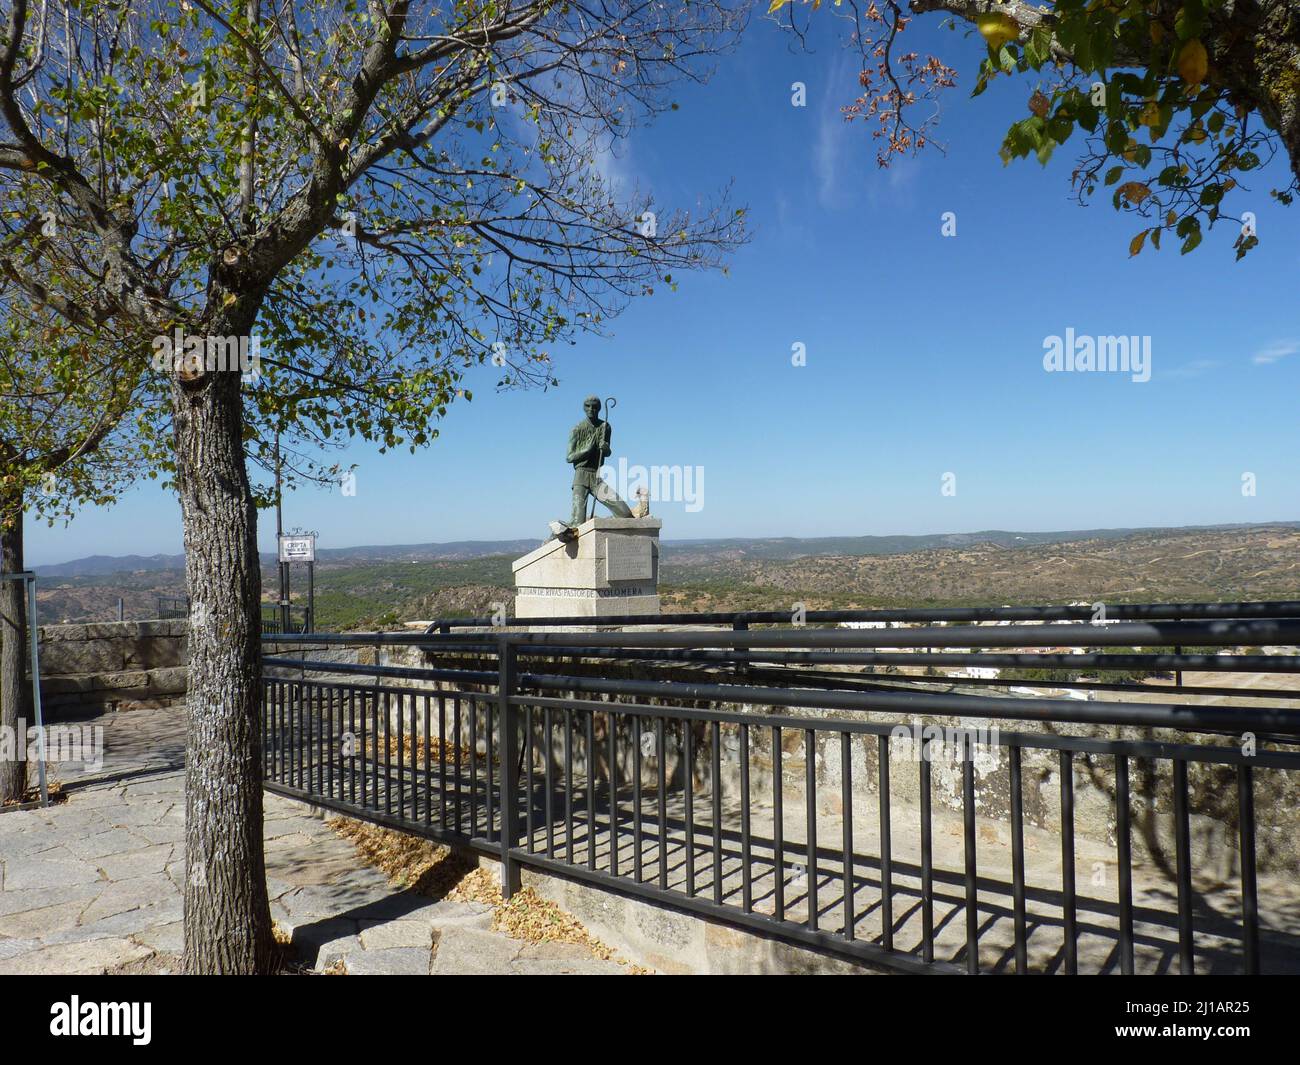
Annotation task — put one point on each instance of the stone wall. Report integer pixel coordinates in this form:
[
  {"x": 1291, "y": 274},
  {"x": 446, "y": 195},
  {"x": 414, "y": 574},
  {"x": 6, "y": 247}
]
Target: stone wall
[{"x": 112, "y": 665}]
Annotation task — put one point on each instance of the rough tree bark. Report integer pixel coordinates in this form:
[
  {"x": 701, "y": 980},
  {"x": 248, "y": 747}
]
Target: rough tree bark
[
  {"x": 227, "y": 913},
  {"x": 15, "y": 692}
]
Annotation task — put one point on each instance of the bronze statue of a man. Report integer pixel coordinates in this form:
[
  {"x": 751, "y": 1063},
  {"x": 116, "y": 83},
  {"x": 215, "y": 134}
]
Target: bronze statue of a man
[{"x": 588, "y": 448}]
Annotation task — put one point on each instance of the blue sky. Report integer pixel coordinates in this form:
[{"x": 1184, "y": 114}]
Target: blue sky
[{"x": 923, "y": 353}]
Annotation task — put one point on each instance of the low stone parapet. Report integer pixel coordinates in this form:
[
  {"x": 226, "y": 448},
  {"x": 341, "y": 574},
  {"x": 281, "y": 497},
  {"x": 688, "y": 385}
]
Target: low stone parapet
[{"x": 113, "y": 665}]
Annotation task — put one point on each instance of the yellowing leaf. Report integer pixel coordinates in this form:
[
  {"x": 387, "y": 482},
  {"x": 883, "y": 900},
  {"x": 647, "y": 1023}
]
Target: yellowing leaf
[
  {"x": 1134, "y": 191},
  {"x": 997, "y": 29},
  {"x": 1193, "y": 62},
  {"x": 1135, "y": 245}
]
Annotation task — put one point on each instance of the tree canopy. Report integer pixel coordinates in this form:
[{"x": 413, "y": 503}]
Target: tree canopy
[{"x": 1174, "y": 103}]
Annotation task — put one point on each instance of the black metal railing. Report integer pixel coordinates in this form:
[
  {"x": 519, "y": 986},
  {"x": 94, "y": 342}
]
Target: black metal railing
[
  {"x": 740, "y": 796},
  {"x": 171, "y": 607},
  {"x": 273, "y": 620}
]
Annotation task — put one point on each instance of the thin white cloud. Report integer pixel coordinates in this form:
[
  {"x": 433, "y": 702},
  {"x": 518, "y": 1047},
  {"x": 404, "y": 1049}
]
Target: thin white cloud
[
  {"x": 826, "y": 156},
  {"x": 1195, "y": 368},
  {"x": 612, "y": 160},
  {"x": 1275, "y": 352}
]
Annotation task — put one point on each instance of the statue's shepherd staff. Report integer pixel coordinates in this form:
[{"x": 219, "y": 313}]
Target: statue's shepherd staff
[{"x": 610, "y": 403}]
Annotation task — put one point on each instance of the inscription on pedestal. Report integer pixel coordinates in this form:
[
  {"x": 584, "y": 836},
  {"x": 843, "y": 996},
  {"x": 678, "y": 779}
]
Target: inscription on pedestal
[{"x": 628, "y": 559}]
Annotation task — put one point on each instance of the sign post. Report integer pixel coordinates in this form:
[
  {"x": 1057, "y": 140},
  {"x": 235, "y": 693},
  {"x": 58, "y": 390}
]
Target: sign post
[{"x": 298, "y": 547}]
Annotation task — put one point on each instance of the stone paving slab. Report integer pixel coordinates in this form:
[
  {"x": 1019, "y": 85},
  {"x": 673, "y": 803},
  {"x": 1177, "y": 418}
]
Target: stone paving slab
[{"x": 92, "y": 885}]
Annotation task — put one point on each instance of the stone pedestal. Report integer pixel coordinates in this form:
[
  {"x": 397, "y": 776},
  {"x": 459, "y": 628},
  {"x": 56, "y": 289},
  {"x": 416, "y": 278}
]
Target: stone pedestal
[{"x": 610, "y": 568}]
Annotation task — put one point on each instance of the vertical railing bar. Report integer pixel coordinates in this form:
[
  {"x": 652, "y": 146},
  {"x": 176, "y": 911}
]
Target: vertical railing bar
[
  {"x": 927, "y": 857},
  {"x": 266, "y": 699},
  {"x": 442, "y": 762},
  {"x": 264, "y": 724},
  {"x": 746, "y": 873},
  {"x": 548, "y": 780},
  {"x": 1069, "y": 912},
  {"x": 1124, "y": 848},
  {"x": 636, "y": 798},
  {"x": 325, "y": 723},
  {"x": 886, "y": 849},
  {"x": 507, "y": 717},
  {"x": 277, "y": 749},
  {"x": 315, "y": 768},
  {"x": 337, "y": 783},
  {"x": 489, "y": 776},
  {"x": 351, "y": 731},
  {"x": 613, "y": 791},
  {"x": 1018, "y": 856},
  {"x": 292, "y": 752},
  {"x": 688, "y": 781},
  {"x": 309, "y": 740},
  {"x": 968, "y": 824},
  {"x": 388, "y": 754},
  {"x": 568, "y": 785},
  {"x": 327, "y": 746},
  {"x": 810, "y": 810},
  {"x": 304, "y": 738},
  {"x": 414, "y": 744},
  {"x": 286, "y": 734},
  {"x": 369, "y": 749},
  {"x": 428, "y": 759},
  {"x": 778, "y": 828},
  {"x": 316, "y": 781},
  {"x": 530, "y": 781},
  {"x": 295, "y": 734},
  {"x": 473, "y": 767},
  {"x": 271, "y": 686},
  {"x": 589, "y": 719},
  {"x": 323, "y": 741},
  {"x": 1249, "y": 897},
  {"x": 846, "y": 818},
  {"x": 662, "y": 809},
  {"x": 717, "y": 813},
  {"x": 455, "y": 727},
  {"x": 268, "y": 747},
  {"x": 280, "y": 747},
  {"x": 1183, "y": 862}
]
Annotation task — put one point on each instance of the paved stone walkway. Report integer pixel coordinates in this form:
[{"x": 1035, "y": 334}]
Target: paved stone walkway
[{"x": 92, "y": 885}]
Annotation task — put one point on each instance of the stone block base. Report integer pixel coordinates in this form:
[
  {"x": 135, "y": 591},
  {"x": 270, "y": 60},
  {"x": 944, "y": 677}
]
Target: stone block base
[{"x": 609, "y": 568}]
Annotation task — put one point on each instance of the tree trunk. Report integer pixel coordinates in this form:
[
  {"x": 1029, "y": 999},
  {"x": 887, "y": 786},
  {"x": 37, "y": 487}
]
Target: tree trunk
[
  {"x": 15, "y": 690},
  {"x": 1274, "y": 73},
  {"x": 227, "y": 914}
]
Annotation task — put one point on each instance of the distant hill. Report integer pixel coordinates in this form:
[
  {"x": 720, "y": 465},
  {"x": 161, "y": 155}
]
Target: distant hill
[
  {"x": 788, "y": 548},
  {"x": 384, "y": 586},
  {"x": 102, "y": 565},
  {"x": 776, "y": 549}
]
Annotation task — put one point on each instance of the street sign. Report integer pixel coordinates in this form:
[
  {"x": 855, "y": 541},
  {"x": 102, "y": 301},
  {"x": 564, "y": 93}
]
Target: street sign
[{"x": 298, "y": 548}]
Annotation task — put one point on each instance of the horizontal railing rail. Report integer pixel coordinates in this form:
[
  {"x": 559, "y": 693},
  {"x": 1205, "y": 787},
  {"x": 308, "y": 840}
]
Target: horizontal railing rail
[
  {"x": 867, "y": 816},
  {"x": 1220, "y": 633},
  {"x": 1284, "y": 608}
]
